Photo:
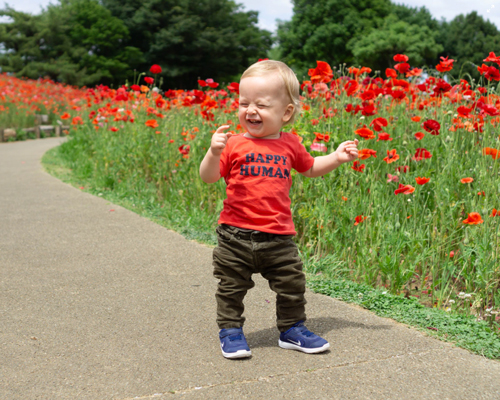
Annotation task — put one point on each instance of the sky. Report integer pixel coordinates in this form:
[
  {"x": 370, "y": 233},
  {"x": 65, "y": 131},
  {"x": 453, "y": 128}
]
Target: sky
[{"x": 271, "y": 10}]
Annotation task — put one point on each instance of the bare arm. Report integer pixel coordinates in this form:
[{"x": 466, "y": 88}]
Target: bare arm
[
  {"x": 209, "y": 167},
  {"x": 347, "y": 151}
]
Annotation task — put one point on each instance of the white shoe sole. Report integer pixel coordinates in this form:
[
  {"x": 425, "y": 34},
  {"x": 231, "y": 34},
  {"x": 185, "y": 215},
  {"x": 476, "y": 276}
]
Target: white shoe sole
[
  {"x": 291, "y": 346},
  {"x": 237, "y": 354}
]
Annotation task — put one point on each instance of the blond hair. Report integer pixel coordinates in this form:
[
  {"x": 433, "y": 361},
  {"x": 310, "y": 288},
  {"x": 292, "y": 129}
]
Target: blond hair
[{"x": 289, "y": 79}]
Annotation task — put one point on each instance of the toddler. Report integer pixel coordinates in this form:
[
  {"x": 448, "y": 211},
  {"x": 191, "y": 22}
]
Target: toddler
[{"x": 255, "y": 232}]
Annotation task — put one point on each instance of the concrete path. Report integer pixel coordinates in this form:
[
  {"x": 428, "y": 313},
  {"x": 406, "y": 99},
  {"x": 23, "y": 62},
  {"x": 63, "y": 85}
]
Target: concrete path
[{"x": 101, "y": 304}]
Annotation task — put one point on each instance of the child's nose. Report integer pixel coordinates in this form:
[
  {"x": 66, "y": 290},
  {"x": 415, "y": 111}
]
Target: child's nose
[{"x": 251, "y": 109}]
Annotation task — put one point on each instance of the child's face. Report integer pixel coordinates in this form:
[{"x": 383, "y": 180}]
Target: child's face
[{"x": 264, "y": 107}]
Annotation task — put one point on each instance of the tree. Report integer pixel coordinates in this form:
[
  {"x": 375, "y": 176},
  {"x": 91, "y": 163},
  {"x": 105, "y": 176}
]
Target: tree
[
  {"x": 416, "y": 16},
  {"x": 377, "y": 48},
  {"x": 326, "y": 29},
  {"x": 77, "y": 41},
  {"x": 468, "y": 40},
  {"x": 193, "y": 39}
]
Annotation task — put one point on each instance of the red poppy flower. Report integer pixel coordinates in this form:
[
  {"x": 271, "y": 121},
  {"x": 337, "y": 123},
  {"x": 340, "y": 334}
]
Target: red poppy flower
[
  {"x": 416, "y": 118},
  {"x": 419, "y": 135},
  {"x": 432, "y": 126},
  {"x": 391, "y": 156},
  {"x": 113, "y": 129},
  {"x": 358, "y": 167},
  {"x": 494, "y": 153},
  {"x": 405, "y": 189},
  {"x": 322, "y": 73},
  {"x": 490, "y": 73},
  {"x": 492, "y": 58},
  {"x": 404, "y": 169},
  {"x": 65, "y": 116},
  {"x": 384, "y": 136},
  {"x": 234, "y": 87},
  {"x": 359, "y": 219},
  {"x": 467, "y": 180},
  {"x": 152, "y": 123},
  {"x": 367, "y": 95},
  {"x": 368, "y": 110},
  {"x": 210, "y": 82},
  {"x": 365, "y": 133},
  {"x": 421, "y": 154},
  {"x": 155, "y": 69},
  {"x": 184, "y": 149},
  {"x": 445, "y": 65},
  {"x": 366, "y": 153},
  {"x": 414, "y": 72},
  {"x": 422, "y": 181},
  {"x": 400, "y": 58},
  {"x": 495, "y": 213},
  {"x": 391, "y": 73},
  {"x": 378, "y": 124},
  {"x": 149, "y": 80},
  {"x": 481, "y": 193},
  {"x": 473, "y": 218},
  {"x": 403, "y": 68},
  {"x": 464, "y": 111},
  {"x": 422, "y": 87},
  {"x": 135, "y": 88}
]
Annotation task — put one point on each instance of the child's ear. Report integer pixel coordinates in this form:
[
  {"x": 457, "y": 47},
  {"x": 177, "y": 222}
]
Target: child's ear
[{"x": 288, "y": 113}]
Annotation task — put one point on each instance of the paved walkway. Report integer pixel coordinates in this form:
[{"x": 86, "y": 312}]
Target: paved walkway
[{"x": 100, "y": 304}]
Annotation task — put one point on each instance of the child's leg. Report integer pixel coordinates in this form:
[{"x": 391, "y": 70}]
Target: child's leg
[
  {"x": 282, "y": 267},
  {"x": 232, "y": 266}
]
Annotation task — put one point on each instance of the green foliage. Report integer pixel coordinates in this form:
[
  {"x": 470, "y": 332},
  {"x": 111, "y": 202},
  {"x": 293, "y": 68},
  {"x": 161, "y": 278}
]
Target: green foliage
[
  {"x": 77, "y": 41},
  {"x": 324, "y": 30},
  {"x": 395, "y": 36},
  {"x": 467, "y": 39},
  {"x": 193, "y": 39},
  {"x": 416, "y": 16}
]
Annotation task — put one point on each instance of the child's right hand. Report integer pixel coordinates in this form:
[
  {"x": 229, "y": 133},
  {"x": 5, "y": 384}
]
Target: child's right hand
[{"x": 219, "y": 140}]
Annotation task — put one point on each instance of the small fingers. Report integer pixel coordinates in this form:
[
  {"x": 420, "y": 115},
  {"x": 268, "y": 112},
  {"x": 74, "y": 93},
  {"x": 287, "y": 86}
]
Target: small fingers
[{"x": 222, "y": 128}]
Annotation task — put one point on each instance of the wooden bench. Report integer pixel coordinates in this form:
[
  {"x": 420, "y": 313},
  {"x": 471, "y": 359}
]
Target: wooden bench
[{"x": 41, "y": 122}]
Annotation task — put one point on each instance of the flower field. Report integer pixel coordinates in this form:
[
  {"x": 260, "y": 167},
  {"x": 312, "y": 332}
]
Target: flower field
[
  {"x": 418, "y": 213},
  {"x": 21, "y": 100}
]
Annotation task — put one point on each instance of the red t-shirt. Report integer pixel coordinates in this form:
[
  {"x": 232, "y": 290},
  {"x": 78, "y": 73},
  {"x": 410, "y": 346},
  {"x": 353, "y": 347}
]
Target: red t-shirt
[{"x": 257, "y": 174}]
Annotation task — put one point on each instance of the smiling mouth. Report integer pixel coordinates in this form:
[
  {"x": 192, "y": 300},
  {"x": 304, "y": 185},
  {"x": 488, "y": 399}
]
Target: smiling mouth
[{"x": 254, "y": 122}]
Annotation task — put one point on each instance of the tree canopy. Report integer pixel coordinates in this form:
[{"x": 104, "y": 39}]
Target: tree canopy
[
  {"x": 77, "y": 42},
  {"x": 84, "y": 42},
  {"x": 325, "y": 30},
  {"x": 377, "y": 48},
  {"x": 192, "y": 39}
]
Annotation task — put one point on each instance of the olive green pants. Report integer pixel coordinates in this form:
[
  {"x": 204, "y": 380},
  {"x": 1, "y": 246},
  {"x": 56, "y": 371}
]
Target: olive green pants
[{"x": 240, "y": 254}]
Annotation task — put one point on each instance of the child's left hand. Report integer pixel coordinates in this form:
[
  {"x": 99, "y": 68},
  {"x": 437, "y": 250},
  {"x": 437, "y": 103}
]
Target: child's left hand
[{"x": 347, "y": 151}]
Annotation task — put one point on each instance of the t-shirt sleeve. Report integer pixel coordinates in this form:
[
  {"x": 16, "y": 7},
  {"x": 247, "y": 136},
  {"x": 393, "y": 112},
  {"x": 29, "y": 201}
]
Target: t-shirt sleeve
[{"x": 303, "y": 159}]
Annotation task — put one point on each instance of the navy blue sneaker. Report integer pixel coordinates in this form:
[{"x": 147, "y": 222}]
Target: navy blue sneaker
[
  {"x": 298, "y": 337},
  {"x": 233, "y": 343}
]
